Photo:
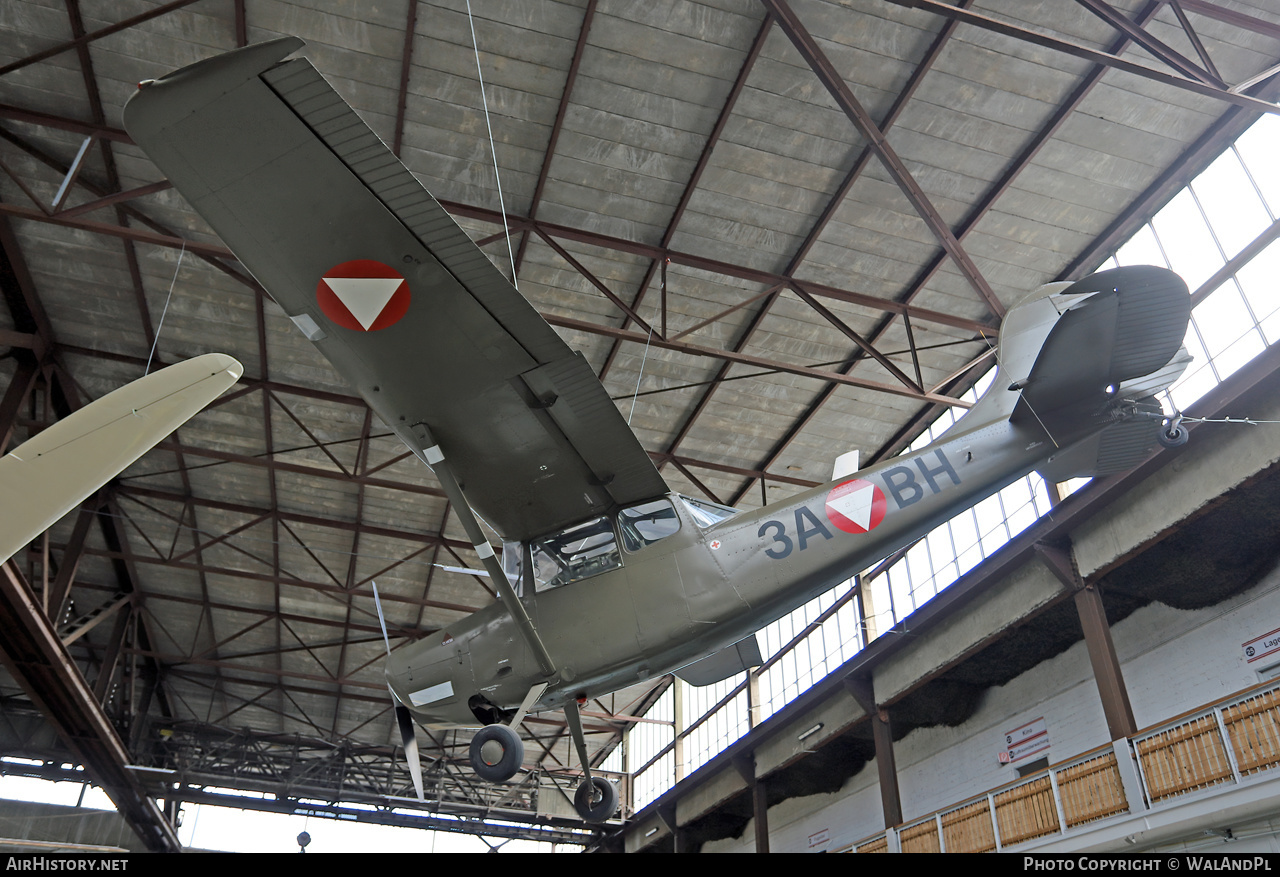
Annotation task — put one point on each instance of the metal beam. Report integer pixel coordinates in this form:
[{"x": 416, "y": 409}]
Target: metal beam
[
  {"x": 55, "y": 599},
  {"x": 556, "y": 126},
  {"x": 975, "y": 215},
  {"x": 1159, "y": 49},
  {"x": 704, "y": 158},
  {"x": 861, "y": 119},
  {"x": 83, "y": 39},
  {"x": 1231, "y": 16},
  {"x": 759, "y": 362},
  {"x": 37, "y": 659},
  {"x": 1071, "y": 48},
  {"x": 62, "y": 123},
  {"x": 406, "y": 64},
  {"x": 855, "y": 172},
  {"x": 713, "y": 266}
]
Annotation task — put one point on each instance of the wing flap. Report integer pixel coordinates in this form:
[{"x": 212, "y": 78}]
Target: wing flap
[
  {"x": 583, "y": 411},
  {"x": 729, "y": 661},
  {"x": 298, "y": 186}
]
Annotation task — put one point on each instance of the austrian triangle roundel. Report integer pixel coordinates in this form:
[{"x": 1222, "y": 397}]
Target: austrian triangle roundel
[
  {"x": 856, "y": 506},
  {"x": 363, "y": 295}
]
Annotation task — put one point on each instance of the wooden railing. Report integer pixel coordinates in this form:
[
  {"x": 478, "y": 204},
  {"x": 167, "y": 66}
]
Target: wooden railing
[
  {"x": 1091, "y": 789},
  {"x": 1026, "y": 811},
  {"x": 1254, "y": 727},
  {"x": 1183, "y": 758},
  {"x": 1224, "y": 743},
  {"x": 968, "y": 829}
]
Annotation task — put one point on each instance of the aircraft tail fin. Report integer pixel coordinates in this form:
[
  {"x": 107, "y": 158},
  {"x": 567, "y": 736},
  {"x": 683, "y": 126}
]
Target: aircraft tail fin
[{"x": 1077, "y": 357}]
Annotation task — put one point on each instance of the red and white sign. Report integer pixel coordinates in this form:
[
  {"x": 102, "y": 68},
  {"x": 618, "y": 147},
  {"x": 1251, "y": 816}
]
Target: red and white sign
[
  {"x": 1025, "y": 741},
  {"x": 1265, "y": 646},
  {"x": 363, "y": 295},
  {"x": 856, "y": 506}
]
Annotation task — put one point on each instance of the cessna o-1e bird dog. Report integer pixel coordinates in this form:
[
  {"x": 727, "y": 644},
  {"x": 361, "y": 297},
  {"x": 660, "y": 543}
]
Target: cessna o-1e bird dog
[{"x": 606, "y": 577}]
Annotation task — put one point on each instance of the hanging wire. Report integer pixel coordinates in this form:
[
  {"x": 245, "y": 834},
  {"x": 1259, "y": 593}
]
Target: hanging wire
[
  {"x": 493, "y": 151},
  {"x": 995, "y": 351},
  {"x": 172, "y": 283},
  {"x": 640, "y": 376}
]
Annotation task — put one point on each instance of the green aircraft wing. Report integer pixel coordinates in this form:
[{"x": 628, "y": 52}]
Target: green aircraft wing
[{"x": 375, "y": 272}]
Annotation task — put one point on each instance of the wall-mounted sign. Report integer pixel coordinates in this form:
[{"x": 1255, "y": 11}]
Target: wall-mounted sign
[
  {"x": 1265, "y": 646},
  {"x": 1025, "y": 741}
]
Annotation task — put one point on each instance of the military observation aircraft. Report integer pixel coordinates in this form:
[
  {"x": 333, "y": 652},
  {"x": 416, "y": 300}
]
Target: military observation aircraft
[{"x": 606, "y": 577}]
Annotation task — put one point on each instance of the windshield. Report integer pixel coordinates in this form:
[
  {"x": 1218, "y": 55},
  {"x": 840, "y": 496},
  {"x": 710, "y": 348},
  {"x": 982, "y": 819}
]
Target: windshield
[
  {"x": 647, "y": 523},
  {"x": 705, "y": 514}
]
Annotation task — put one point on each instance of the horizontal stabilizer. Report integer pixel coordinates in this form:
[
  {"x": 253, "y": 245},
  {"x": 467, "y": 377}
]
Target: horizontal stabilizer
[
  {"x": 742, "y": 655},
  {"x": 1118, "y": 448}
]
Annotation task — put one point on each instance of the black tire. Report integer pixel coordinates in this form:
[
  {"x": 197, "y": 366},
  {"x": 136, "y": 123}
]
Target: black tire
[
  {"x": 1173, "y": 436},
  {"x": 600, "y": 810},
  {"x": 502, "y": 765}
]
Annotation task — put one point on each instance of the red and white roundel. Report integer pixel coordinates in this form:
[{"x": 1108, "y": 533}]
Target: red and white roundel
[
  {"x": 856, "y": 506},
  {"x": 363, "y": 295}
]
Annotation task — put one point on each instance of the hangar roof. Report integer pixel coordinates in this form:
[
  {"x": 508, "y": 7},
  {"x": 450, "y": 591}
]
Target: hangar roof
[{"x": 777, "y": 231}]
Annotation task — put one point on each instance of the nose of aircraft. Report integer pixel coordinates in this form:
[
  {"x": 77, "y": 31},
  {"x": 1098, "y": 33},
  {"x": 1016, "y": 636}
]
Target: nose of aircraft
[{"x": 432, "y": 678}]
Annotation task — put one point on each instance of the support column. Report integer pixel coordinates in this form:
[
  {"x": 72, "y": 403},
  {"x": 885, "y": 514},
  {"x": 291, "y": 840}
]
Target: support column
[
  {"x": 746, "y": 767},
  {"x": 667, "y": 813},
  {"x": 1060, "y": 560},
  {"x": 753, "y": 699},
  {"x": 677, "y": 753},
  {"x": 882, "y": 734},
  {"x": 1106, "y": 666},
  {"x": 55, "y": 600},
  {"x": 862, "y": 600},
  {"x": 111, "y": 658}
]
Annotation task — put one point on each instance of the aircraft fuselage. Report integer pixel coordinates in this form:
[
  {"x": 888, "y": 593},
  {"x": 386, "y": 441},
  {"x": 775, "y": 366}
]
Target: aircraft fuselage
[{"x": 702, "y": 589}]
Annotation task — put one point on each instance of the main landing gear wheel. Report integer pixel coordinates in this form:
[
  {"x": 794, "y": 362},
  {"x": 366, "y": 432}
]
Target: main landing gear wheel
[
  {"x": 496, "y": 753},
  {"x": 596, "y": 802},
  {"x": 1173, "y": 434}
]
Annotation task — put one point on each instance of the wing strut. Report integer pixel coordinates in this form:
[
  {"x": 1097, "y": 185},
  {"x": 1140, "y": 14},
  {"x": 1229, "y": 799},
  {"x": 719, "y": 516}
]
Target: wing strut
[
  {"x": 574, "y": 720},
  {"x": 430, "y": 453}
]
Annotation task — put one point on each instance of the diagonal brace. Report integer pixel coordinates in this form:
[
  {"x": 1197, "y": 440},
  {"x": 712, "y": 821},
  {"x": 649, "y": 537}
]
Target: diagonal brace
[
  {"x": 425, "y": 447},
  {"x": 861, "y": 119}
]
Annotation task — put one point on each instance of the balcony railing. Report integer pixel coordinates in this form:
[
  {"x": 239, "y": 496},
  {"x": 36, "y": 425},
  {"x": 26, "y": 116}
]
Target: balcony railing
[{"x": 1224, "y": 743}]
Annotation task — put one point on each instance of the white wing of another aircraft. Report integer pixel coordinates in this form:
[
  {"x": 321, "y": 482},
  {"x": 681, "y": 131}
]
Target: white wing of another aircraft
[{"x": 52, "y": 473}]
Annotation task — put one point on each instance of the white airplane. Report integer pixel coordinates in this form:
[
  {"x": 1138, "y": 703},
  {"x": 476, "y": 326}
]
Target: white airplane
[{"x": 52, "y": 473}]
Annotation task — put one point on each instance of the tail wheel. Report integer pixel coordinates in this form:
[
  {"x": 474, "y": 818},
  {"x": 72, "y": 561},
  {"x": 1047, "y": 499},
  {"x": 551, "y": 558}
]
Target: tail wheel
[
  {"x": 597, "y": 801},
  {"x": 497, "y": 752}
]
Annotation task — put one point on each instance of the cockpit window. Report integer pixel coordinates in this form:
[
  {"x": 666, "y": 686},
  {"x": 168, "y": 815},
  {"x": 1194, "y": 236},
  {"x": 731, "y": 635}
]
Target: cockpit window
[
  {"x": 707, "y": 513},
  {"x": 647, "y": 523},
  {"x": 513, "y": 563},
  {"x": 576, "y": 553}
]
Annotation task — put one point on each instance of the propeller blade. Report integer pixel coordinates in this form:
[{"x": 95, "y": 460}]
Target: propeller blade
[
  {"x": 377, "y": 601},
  {"x": 410, "y": 741},
  {"x": 407, "y": 735}
]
